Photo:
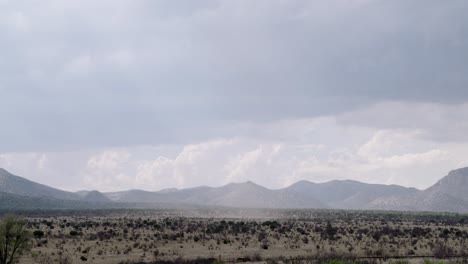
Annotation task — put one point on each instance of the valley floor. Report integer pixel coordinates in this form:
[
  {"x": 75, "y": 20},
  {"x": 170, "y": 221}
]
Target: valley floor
[{"x": 148, "y": 236}]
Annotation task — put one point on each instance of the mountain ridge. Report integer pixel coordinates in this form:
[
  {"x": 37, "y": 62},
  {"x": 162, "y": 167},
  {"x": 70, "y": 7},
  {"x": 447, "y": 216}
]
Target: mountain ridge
[{"x": 448, "y": 194}]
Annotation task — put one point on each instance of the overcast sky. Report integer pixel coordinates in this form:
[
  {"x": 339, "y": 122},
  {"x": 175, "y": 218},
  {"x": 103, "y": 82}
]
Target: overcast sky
[{"x": 114, "y": 95}]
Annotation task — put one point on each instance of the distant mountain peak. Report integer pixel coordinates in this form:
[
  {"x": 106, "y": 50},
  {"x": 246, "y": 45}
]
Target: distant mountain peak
[
  {"x": 251, "y": 183},
  {"x": 246, "y": 184},
  {"x": 96, "y": 196},
  {"x": 301, "y": 184},
  {"x": 3, "y": 171},
  {"x": 455, "y": 178},
  {"x": 168, "y": 190},
  {"x": 463, "y": 171},
  {"x": 305, "y": 182},
  {"x": 241, "y": 183}
]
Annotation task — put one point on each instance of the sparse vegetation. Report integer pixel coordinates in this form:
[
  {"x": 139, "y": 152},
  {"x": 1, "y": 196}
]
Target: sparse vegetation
[{"x": 279, "y": 236}]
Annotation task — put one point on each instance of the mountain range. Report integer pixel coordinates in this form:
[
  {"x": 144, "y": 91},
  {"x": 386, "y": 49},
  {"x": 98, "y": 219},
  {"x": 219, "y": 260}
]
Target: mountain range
[{"x": 450, "y": 194}]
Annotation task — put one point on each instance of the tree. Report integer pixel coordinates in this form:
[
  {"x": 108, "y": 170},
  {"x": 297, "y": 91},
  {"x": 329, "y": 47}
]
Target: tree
[
  {"x": 15, "y": 239},
  {"x": 330, "y": 231}
]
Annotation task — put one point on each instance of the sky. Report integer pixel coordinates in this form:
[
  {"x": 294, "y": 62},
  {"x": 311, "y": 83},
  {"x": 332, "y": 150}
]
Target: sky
[{"x": 142, "y": 94}]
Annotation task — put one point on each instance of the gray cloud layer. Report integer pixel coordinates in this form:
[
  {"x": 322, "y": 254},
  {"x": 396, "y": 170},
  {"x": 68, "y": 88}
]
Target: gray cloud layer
[{"x": 120, "y": 73}]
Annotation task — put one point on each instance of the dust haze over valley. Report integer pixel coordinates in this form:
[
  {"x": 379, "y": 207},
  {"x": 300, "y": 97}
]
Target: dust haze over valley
[{"x": 216, "y": 131}]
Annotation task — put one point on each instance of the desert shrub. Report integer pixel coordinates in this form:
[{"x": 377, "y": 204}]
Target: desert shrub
[
  {"x": 64, "y": 259},
  {"x": 262, "y": 236},
  {"x": 441, "y": 250},
  {"x": 265, "y": 244},
  {"x": 41, "y": 258},
  {"x": 256, "y": 257},
  {"x": 243, "y": 259},
  {"x": 38, "y": 233},
  {"x": 330, "y": 231}
]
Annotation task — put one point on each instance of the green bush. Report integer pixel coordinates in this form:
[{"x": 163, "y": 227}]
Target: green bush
[
  {"x": 15, "y": 239},
  {"x": 38, "y": 233}
]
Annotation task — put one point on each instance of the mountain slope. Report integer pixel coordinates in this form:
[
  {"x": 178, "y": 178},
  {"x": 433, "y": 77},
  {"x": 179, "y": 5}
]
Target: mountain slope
[
  {"x": 346, "y": 194},
  {"x": 248, "y": 195},
  {"x": 251, "y": 195},
  {"x": 93, "y": 196},
  {"x": 10, "y": 183},
  {"x": 9, "y": 202},
  {"x": 454, "y": 184},
  {"x": 448, "y": 194},
  {"x": 304, "y": 194}
]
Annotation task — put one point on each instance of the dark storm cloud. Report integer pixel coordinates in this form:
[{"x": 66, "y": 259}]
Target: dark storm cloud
[{"x": 118, "y": 73}]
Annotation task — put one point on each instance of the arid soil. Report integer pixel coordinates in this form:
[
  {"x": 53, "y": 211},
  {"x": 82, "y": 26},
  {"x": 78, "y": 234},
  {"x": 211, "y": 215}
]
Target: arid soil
[{"x": 137, "y": 236}]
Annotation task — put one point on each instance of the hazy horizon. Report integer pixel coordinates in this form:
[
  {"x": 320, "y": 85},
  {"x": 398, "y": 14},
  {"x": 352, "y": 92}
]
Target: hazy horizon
[
  {"x": 216, "y": 186},
  {"x": 117, "y": 95},
  {"x": 225, "y": 184}
]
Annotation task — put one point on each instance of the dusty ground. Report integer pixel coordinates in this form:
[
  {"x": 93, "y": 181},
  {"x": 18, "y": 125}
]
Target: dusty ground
[{"x": 144, "y": 237}]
